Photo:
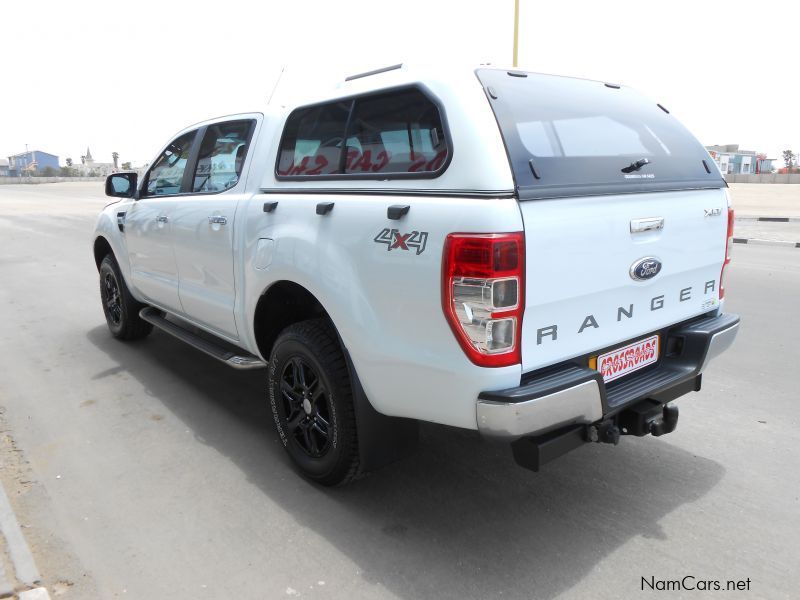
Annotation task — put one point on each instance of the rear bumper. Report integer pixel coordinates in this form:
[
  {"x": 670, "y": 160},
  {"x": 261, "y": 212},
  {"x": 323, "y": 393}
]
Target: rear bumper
[{"x": 571, "y": 394}]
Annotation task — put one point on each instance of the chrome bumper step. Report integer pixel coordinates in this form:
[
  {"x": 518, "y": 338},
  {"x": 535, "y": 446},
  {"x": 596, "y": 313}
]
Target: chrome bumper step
[{"x": 237, "y": 359}]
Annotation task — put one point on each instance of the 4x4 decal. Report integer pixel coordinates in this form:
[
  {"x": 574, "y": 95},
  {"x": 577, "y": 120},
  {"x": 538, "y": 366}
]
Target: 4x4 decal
[{"x": 395, "y": 240}]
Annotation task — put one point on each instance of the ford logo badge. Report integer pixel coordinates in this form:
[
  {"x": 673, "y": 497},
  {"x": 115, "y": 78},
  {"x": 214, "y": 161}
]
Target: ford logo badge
[{"x": 645, "y": 268}]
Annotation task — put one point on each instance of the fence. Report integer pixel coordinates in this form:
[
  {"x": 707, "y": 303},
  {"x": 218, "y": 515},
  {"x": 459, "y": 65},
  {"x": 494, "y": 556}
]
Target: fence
[
  {"x": 7, "y": 180},
  {"x": 763, "y": 178}
]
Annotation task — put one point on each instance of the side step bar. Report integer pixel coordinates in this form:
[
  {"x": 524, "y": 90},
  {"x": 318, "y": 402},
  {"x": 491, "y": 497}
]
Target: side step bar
[{"x": 238, "y": 360}]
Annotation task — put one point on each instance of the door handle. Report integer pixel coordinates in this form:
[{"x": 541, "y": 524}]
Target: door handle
[
  {"x": 217, "y": 220},
  {"x": 649, "y": 224},
  {"x": 162, "y": 219}
]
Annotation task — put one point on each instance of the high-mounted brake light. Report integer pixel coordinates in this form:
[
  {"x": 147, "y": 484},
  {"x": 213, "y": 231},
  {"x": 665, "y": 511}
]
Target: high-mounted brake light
[
  {"x": 483, "y": 285},
  {"x": 728, "y": 249}
]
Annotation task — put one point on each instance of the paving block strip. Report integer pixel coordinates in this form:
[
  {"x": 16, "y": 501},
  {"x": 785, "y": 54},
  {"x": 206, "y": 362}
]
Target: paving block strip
[
  {"x": 760, "y": 242},
  {"x": 770, "y": 219}
]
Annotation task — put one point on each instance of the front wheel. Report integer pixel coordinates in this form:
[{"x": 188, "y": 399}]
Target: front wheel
[
  {"x": 311, "y": 401},
  {"x": 120, "y": 308}
]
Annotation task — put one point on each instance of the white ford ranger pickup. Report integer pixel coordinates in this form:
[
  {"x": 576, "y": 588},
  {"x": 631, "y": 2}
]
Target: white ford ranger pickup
[{"x": 538, "y": 258}]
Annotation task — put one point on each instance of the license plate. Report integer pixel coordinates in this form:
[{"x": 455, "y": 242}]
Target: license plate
[{"x": 622, "y": 361}]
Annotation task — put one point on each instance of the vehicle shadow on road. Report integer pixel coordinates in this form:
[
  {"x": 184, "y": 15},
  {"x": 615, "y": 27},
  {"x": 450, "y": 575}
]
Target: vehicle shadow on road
[{"x": 456, "y": 520}]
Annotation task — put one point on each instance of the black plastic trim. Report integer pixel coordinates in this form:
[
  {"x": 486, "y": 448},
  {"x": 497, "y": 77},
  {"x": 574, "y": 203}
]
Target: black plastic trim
[
  {"x": 396, "y": 211},
  {"x": 224, "y": 351},
  {"x": 549, "y": 382},
  {"x": 323, "y": 208},
  {"x": 381, "y": 439},
  {"x": 534, "y": 170},
  {"x": 391, "y": 192},
  {"x": 528, "y": 193},
  {"x": 270, "y": 206},
  {"x": 679, "y": 371}
]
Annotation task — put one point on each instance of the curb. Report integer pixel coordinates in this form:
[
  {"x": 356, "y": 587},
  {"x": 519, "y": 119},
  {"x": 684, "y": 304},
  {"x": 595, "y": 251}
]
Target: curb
[
  {"x": 770, "y": 219},
  {"x": 760, "y": 242}
]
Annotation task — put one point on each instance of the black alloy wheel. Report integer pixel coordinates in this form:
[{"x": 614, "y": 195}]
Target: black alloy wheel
[
  {"x": 112, "y": 298},
  {"x": 311, "y": 401},
  {"x": 119, "y": 306},
  {"x": 306, "y": 406}
]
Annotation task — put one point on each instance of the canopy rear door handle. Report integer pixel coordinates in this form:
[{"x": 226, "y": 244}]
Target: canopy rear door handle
[
  {"x": 217, "y": 220},
  {"x": 648, "y": 224}
]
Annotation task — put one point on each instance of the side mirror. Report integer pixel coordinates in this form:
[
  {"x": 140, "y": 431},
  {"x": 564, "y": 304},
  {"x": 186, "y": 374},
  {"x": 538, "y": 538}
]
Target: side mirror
[{"x": 121, "y": 185}]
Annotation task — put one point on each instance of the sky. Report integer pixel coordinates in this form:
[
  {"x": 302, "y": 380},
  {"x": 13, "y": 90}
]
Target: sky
[{"x": 125, "y": 77}]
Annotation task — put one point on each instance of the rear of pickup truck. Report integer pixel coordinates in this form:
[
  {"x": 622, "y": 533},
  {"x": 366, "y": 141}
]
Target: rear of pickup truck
[{"x": 627, "y": 232}]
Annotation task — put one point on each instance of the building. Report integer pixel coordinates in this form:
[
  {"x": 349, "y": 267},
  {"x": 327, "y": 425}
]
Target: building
[
  {"x": 730, "y": 159},
  {"x": 88, "y": 167},
  {"x": 32, "y": 163},
  {"x": 4, "y": 167}
]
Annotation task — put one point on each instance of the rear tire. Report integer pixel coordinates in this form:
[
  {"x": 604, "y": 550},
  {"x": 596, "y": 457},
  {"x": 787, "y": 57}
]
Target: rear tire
[
  {"x": 119, "y": 306},
  {"x": 312, "y": 403}
]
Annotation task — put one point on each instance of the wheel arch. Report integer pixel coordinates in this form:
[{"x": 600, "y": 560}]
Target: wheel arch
[
  {"x": 282, "y": 304},
  {"x": 102, "y": 248},
  {"x": 382, "y": 439}
]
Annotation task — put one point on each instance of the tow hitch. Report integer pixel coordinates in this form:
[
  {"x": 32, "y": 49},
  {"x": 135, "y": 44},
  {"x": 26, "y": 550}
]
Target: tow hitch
[{"x": 648, "y": 416}]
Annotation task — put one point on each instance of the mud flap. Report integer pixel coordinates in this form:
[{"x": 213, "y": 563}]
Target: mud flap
[{"x": 382, "y": 440}]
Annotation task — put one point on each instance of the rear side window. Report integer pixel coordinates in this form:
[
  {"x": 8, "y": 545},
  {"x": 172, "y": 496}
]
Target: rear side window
[
  {"x": 221, "y": 157},
  {"x": 312, "y": 140},
  {"x": 399, "y": 134},
  {"x": 570, "y": 137}
]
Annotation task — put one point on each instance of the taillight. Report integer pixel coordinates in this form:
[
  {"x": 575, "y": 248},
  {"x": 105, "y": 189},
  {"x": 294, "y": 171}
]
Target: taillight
[
  {"x": 483, "y": 284},
  {"x": 728, "y": 249}
]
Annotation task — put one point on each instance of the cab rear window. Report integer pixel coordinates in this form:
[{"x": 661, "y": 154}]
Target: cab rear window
[
  {"x": 569, "y": 137},
  {"x": 390, "y": 134}
]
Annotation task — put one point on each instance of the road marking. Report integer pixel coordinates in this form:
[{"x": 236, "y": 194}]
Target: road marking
[
  {"x": 24, "y": 565},
  {"x": 770, "y": 219},
  {"x": 39, "y": 593},
  {"x": 760, "y": 242}
]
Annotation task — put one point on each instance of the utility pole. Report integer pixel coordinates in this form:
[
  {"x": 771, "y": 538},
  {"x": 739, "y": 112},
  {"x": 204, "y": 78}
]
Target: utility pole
[{"x": 516, "y": 31}]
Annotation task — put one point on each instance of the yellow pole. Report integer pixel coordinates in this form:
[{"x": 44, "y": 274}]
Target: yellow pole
[{"x": 516, "y": 30}]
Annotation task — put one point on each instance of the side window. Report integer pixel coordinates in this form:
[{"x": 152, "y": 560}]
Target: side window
[
  {"x": 398, "y": 132},
  {"x": 221, "y": 156},
  {"x": 312, "y": 140},
  {"x": 166, "y": 174}
]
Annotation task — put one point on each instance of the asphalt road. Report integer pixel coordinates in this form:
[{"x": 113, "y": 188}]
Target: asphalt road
[{"x": 148, "y": 470}]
